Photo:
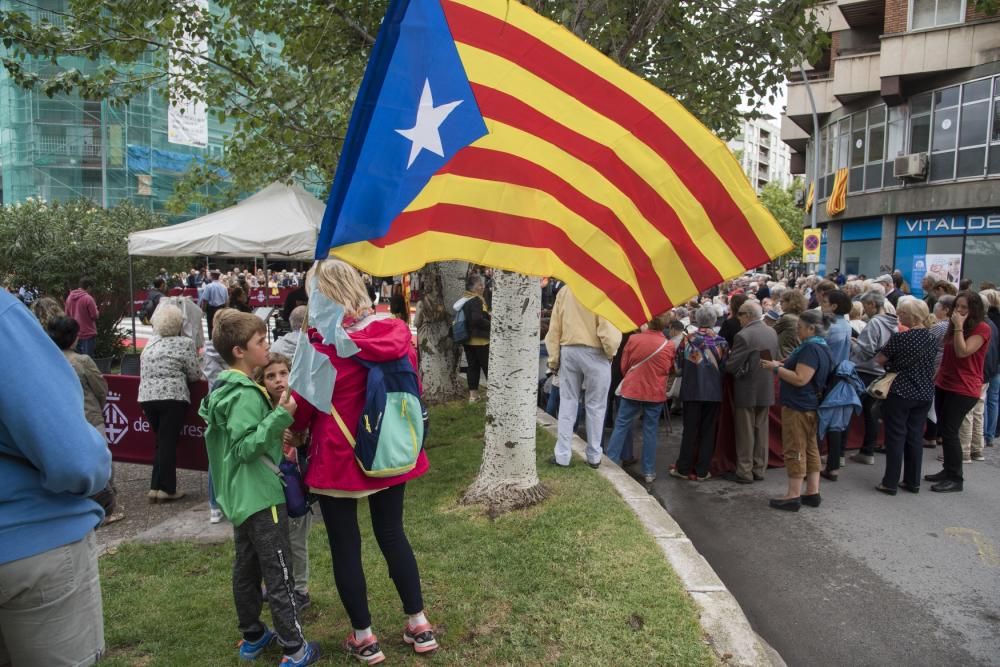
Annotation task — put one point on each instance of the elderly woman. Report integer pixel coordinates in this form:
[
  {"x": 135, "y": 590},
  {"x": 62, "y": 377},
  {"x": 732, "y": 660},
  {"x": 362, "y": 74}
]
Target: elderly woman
[
  {"x": 169, "y": 363},
  {"x": 910, "y": 354},
  {"x": 700, "y": 362},
  {"x": 646, "y": 361},
  {"x": 938, "y": 329},
  {"x": 793, "y": 303},
  {"x": 960, "y": 381},
  {"x": 837, "y": 305},
  {"x": 803, "y": 377},
  {"x": 873, "y": 338}
]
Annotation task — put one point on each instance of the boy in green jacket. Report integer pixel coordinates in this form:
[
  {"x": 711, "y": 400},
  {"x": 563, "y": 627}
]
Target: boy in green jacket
[{"x": 242, "y": 428}]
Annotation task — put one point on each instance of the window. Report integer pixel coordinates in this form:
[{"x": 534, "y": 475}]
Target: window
[
  {"x": 920, "y": 123},
  {"x": 856, "y": 181},
  {"x": 895, "y": 142},
  {"x": 973, "y": 128},
  {"x": 876, "y": 148},
  {"x": 861, "y": 257},
  {"x": 934, "y": 13},
  {"x": 944, "y": 133},
  {"x": 994, "y": 157},
  {"x": 981, "y": 254}
]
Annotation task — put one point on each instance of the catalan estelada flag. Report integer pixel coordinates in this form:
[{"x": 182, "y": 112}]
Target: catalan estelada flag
[{"x": 484, "y": 132}]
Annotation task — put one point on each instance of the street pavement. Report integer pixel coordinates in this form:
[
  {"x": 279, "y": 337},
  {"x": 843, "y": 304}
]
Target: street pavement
[{"x": 865, "y": 579}]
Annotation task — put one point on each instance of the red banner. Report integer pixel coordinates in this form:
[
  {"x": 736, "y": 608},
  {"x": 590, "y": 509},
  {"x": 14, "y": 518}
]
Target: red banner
[{"x": 130, "y": 436}]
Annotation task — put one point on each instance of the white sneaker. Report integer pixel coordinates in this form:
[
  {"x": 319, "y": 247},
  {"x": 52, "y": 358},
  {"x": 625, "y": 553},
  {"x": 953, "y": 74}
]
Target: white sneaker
[{"x": 214, "y": 516}]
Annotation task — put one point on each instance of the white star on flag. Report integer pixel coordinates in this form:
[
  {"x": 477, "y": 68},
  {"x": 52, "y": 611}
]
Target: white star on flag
[{"x": 424, "y": 134}]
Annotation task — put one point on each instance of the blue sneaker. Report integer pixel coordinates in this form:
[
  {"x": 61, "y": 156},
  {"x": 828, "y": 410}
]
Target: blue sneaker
[
  {"x": 252, "y": 650},
  {"x": 311, "y": 656}
]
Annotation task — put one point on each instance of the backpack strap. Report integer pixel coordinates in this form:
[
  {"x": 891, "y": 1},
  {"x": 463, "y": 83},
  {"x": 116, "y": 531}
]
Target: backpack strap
[{"x": 343, "y": 427}]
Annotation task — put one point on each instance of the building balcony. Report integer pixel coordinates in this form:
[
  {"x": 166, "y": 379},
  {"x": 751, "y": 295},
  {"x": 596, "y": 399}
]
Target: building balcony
[
  {"x": 939, "y": 49},
  {"x": 862, "y": 13},
  {"x": 793, "y": 135},
  {"x": 856, "y": 76},
  {"x": 828, "y": 16},
  {"x": 798, "y": 108}
]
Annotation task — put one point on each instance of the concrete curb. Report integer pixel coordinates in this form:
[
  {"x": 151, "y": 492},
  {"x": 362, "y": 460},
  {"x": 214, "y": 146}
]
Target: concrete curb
[{"x": 729, "y": 632}]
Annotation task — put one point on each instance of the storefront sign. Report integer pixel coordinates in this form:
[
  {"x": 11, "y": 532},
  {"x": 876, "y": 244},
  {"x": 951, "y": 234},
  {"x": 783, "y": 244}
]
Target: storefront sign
[
  {"x": 948, "y": 224},
  {"x": 811, "y": 241},
  {"x": 130, "y": 435}
]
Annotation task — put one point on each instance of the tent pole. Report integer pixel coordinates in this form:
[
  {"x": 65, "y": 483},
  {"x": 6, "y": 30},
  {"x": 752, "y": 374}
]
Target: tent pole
[
  {"x": 131, "y": 300},
  {"x": 267, "y": 295}
]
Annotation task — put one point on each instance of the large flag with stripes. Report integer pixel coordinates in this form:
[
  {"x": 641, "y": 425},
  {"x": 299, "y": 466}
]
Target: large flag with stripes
[{"x": 484, "y": 132}]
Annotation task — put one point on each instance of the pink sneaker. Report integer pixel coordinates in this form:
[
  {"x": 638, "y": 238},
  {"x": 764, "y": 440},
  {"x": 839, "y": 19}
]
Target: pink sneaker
[
  {"x": 367, "y": 651},
  {"x": 420, "y": 637}
]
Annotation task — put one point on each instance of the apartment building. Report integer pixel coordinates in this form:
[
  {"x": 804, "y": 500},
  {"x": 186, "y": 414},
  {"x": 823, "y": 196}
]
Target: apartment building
[
  {"x": 908, "y": 99},
  {"x": 763, "y": 155},
  {"x": 64, "y": 147}
]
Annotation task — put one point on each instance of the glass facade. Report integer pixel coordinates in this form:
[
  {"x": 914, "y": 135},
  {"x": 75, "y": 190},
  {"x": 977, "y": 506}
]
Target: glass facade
[
  {"x": 961, "y": 244},
  {"x": 65, "y": 147},
  {"x": 957, "y": 126}
]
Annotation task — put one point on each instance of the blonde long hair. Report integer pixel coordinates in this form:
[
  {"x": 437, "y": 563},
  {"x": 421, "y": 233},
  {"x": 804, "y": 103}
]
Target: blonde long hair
[{"x": 341, "y": 282}]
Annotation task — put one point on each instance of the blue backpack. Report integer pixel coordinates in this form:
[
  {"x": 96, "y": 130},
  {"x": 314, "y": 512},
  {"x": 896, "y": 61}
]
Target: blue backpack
[
  {"x": 460, "y": 328},
  {"x": 391, "y": 428}
]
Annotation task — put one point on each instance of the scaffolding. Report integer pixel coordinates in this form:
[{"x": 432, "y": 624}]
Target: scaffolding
[{"x": 64, "y": 147}]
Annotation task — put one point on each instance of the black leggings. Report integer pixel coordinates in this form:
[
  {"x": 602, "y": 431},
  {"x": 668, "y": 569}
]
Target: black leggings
[{"x": 341, "y": 518}]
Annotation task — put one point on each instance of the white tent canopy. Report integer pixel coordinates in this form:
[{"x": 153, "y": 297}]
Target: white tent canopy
[{"x": 278, "y": 221}]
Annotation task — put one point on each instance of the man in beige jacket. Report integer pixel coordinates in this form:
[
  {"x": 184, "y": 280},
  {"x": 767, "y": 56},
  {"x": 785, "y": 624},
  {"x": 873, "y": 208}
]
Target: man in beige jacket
[{"x": 581, "y": 346}]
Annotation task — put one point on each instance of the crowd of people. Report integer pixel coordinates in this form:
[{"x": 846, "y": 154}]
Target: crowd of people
[
  {"x": 923, "y": 371},
  {"x": 916, "y": 372}
]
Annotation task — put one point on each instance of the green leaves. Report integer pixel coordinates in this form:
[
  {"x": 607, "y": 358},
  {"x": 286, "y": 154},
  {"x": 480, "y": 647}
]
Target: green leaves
[
  {"x": 781, "y": 203},
  {"x": 283, "y": 74}
]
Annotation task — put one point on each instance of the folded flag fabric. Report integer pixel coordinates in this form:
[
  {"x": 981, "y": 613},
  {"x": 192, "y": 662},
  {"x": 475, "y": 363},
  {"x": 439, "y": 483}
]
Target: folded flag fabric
[
  {"x": 485, "y": 132},
  {"x": 837, "y": 203}
]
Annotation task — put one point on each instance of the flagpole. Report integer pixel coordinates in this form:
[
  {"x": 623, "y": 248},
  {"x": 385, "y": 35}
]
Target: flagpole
[{"x": 816, "y": 142}]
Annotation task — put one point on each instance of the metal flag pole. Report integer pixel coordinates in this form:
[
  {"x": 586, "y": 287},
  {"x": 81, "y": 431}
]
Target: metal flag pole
[{"x": 816, "y": 147}]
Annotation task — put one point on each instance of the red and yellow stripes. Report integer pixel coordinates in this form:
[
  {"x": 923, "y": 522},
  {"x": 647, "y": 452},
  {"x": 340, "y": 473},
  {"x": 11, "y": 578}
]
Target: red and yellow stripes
[
  {"x": 588, "y": 173},
  {"x": 837, "y": 203}
]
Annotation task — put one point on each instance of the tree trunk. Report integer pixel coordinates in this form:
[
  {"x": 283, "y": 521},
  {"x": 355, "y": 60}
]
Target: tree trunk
[
  {"x": 441, "y": 285},
  {"x": 507, "y": 476}
]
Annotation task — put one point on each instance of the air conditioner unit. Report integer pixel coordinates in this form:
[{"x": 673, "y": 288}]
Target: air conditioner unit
[{"x": 912, "y": 166}]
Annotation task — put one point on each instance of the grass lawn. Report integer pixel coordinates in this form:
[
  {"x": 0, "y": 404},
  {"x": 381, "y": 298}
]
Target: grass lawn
[{"x": 574, "y": 580}]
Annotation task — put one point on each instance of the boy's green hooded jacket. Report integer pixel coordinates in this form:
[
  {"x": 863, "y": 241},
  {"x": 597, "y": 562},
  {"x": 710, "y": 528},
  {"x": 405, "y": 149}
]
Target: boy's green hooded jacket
[{"x": 242, "y": 428}]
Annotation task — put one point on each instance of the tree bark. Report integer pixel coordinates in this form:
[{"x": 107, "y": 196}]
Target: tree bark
[
  {"x": 507, "y": 477},
  {"x": 442, "y": 284}
]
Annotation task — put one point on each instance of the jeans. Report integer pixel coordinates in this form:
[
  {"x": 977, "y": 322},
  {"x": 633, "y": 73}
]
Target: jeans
[
  {"x": 628, "y": 410},
  {"x": 700, "y": 418},
  {"x": 870, "y": 416},
  {"x": 51, "y": 612},
  {"x": 992, "y": 409},
  {"x": 341, "y": 518},
  {"x": 212, "y": 503},
  {"x": 166, "y": 418},
  {"x": 951, "y": 412},
  {"x": 904, "y": 426},
  {"x": 87, "y": 346}
]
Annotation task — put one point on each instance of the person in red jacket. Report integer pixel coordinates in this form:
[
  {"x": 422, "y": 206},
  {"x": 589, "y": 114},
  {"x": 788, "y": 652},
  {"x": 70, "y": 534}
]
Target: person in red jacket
[
  {"x": 646, "y": 364},
  {"x": 338, "y": 480},
  {"x": 80, "y": 305}
]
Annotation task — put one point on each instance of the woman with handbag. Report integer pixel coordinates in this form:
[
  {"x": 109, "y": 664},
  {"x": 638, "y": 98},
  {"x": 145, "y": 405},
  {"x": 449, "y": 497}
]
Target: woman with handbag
[
  {"x": 960, "y": 381},
  {"x": 909, "y": 360},
  {"x": 646, "y": 362},
  {"x": 881, "y": 325},
  {"x": 700, "y": 362}
]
